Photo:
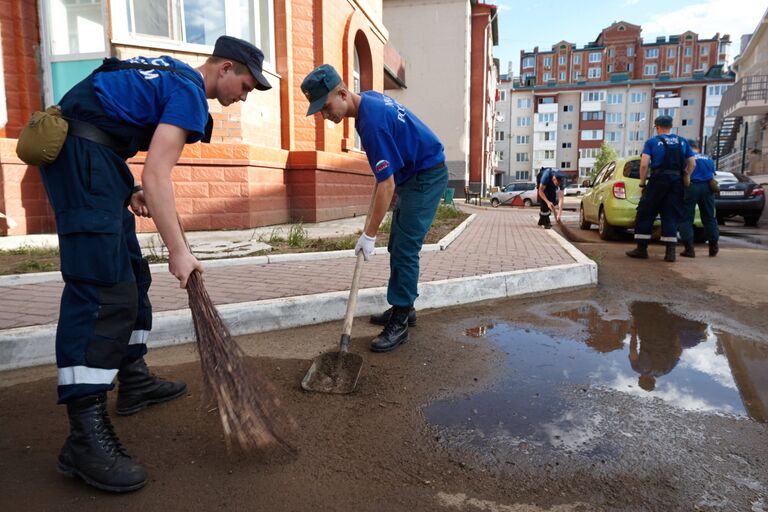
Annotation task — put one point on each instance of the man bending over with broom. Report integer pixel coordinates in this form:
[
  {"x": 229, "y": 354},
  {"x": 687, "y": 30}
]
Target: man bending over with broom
[
  {"x": 407, "y": 159},
  {"x": 157, "y": 104}
]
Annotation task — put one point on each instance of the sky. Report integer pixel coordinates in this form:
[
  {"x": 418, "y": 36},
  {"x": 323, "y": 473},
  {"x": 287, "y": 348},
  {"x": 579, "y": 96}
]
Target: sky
[{"x": 525, "y": 24}]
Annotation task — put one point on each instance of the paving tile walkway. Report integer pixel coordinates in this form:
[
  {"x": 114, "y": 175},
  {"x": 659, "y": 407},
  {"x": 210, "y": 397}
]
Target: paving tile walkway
[{"x": 499, "y": 240}]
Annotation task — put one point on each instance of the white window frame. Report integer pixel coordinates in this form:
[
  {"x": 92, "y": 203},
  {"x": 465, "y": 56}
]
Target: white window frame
[
  {"x": 595, "y": 57},
  {"x": 561, "y": 60},
  {"x": 594, "y": 73},
  {"x": 650, "y": 70},
  {"x": 704, "y": 51},
  {"x": 577, "y": 58},
  {"x": 529, "y": 62},
  {"x": 630, "y": 51},
  {"x": 651, "y": 53},
  {"x": 547, "y": 62},
  {"x": 119, "y": 17},
  {"x": 671, "y": 52}
]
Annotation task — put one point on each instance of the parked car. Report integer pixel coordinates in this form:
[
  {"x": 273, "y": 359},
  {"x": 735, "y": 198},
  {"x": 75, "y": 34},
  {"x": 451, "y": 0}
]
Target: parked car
[
  {"x": 574, "y": 189},
  {"x": 611, "y": 202},
  {"x": 738, "y": 195},
  {"x": 508, "y": 193}
]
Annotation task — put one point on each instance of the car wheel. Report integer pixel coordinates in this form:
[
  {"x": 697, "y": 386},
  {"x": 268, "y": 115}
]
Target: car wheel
[
  {"x": 699, "y": 235},
  {"x": 606, "y": 231},
  {"x": 751, "y": 220},
  {"x": 528, "y": 202},
  {"x": 495, "y": 202},
  {"x": 583, "y": 223}
]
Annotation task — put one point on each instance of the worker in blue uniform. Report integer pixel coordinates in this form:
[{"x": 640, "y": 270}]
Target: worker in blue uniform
[
  {"x": 700, "y": 193},
  {"x": 408, "y": 159},
  {"x": 551, "y": 189},
  {"x": 668, "y": 157},
  {"x": 142, "y": 104}
]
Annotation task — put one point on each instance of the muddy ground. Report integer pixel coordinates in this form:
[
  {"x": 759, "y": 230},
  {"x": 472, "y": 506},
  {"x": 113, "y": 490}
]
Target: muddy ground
[{"x": 381, "y": 449}]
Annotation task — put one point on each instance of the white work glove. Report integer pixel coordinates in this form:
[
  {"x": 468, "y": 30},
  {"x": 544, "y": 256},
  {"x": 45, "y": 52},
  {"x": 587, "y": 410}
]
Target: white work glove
[{"x": 365, "y": 244}]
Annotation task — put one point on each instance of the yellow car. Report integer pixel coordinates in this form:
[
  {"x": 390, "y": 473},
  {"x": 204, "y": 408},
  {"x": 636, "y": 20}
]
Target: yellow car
[{"x": 611, "y": 202}]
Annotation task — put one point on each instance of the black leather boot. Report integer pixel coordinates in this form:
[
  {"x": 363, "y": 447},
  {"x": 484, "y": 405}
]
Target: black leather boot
[
  {"x": 670, "y": 255},
  {"x": 713, "y": 248},
  {"x": 383, "y": 318},
  {"x": 94, "y": 453},
  {"x": 688, "y": 252},
  {"x": 394, "y": 333},
  {"x": 641, "y": 251},
  {"x": 140, "y": 388}
]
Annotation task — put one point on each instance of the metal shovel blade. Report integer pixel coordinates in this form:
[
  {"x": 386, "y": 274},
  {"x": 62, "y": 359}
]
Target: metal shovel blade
[{"x": 333, "y": 372}]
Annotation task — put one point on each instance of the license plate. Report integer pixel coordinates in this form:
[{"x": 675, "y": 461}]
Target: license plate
[{"x": 731, "y": 193}]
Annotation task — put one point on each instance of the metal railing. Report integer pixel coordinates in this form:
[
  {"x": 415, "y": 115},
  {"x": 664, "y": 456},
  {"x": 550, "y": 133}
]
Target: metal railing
[{"x": 748, "y": 89}]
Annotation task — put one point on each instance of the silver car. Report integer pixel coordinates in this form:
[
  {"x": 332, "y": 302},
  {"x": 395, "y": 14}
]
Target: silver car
[{"x": 525, "y": 189}]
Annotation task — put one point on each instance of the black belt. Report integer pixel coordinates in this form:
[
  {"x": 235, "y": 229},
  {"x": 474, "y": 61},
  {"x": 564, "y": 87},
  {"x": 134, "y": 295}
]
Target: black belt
[
  {"x": 85, "y": 130},
  {"x": 673, "y": 172},
  {"x": 435, "y": 167}
]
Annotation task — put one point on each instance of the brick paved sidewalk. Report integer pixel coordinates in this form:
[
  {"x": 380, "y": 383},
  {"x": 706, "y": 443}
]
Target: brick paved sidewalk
[{"x": 499, "y": 240}]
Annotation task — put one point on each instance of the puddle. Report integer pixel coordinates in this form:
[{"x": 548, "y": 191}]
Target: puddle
[
  {"x": 479, "y": 331},
  {"x": 655, "y": 354}
]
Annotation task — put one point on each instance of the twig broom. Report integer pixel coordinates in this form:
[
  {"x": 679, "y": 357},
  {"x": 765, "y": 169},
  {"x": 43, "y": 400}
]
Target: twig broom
[{"x": 250, "y": 413}]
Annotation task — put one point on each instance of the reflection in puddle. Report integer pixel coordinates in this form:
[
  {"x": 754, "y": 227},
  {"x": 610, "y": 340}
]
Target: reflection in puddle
[
  {"x": 479, "y": 331},
  {"x": 655, "y": 354}
]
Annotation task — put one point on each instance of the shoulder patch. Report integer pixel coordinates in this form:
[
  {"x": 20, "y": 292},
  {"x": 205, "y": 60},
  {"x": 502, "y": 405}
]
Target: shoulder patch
[{"x": 381, "y": 165}]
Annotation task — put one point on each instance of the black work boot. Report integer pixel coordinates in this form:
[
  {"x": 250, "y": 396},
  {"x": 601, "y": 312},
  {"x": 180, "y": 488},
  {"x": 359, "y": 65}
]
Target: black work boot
[
  {"x": 641, "y": 251},
  {"x": 383, "y": 318},
  {"x": 394, "y": 333},
  {"x": 688, "y": 252},
  {"x": 140, "y": 388},
  {"x": 713, "y": 248},
  {"x": 670, "y": 255},
  {"x": 94, "y": 453}
]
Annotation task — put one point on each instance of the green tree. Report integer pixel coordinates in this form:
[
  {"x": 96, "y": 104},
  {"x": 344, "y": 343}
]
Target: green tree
[{"x": 607, "y": 153}]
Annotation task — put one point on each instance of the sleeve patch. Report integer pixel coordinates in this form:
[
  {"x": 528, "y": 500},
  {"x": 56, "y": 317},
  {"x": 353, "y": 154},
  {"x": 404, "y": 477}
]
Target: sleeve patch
[{"x": 381, "y": 165}]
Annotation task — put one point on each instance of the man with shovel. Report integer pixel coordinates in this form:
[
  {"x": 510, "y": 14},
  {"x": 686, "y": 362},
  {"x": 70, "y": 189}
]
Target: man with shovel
[{"x": 408, "y": 159}]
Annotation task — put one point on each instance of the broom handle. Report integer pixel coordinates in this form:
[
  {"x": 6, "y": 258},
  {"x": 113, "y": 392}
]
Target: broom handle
[{"x": 352, "y": 301}]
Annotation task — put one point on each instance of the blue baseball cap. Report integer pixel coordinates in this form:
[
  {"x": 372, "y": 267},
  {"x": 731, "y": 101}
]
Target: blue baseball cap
[
  {"x": 316, "y": 86},
  {"x": 228, "y": 47}
]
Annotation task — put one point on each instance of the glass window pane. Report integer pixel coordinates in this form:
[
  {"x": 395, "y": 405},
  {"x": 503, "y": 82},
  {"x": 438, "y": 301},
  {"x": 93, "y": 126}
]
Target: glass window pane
[
  {"x": 247, "y": 28},
  {"x": 75, "y": 26},
  {"x": 151, "y": 17},
  {"x": 204, "y": 21}
]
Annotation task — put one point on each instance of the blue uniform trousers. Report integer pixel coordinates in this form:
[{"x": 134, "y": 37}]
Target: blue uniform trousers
[
  {"x": 699, "y": 194},
  {"x": 417, "y": 201},
  {"x": 105, "y": 314},
  {"x": 663, "y": 195}
]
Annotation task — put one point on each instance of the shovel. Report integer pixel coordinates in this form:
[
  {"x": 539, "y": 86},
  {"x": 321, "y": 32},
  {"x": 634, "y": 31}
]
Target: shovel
[{"x": 337, "y": 372}]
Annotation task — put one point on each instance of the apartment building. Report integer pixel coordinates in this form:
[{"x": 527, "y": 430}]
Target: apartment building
[{"x": 564, "y": 123}]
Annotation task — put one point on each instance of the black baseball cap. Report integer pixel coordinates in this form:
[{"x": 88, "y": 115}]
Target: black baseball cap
[
  {"x": 228, "y": 47},
  {"x": 663, "y": 121},
  {"x": 316, "y": 86}
]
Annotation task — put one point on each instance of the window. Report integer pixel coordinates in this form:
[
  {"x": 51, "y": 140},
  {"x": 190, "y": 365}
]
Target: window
[
  {"x": 610, "y": 68},
  {"x": 630, "y": 67},
  {"x": 593, "y": 96},
  {"x": 577, "y": 59},
  {"x": 524, "y": 121},
  {"x": 562, "y": 76},
  {"x": 547, "y": 76},
  {"x": 523, "y": 139},
  {"x": 612, "y": 136},
  {"x": 546, "y": 118},
  {"x": 547, "y": 62},
  {"x": 549, "y": 154},
  {"x": 561, "y": 60},
  {"x": 687, "y": 122},
  {"x": 592, "y": 135},
  {"x": 613, "y": 117},
  {"x": 595, "y": 57},
  {"x": 687, "y": 68},
  {"x": 611, "y": 52},
  {"x": 588, "y": 152},
  {"x": 567, "y": 108},
  {"x": 637, "y": 135},
  {"x": 576, "y": 75},
  {"x": 568, "y": 126},
  {"x": 667, "y": 112},
  {"x": 499, "y": 136},
  {"x": 528, "y": 62},
  {"x": 521, "y": 157},
  {"x": 502, "y": 95},
  {"x": 565, "y": 165},
  {"x": 671, "y": 69},
  {"x": 717, "y": 90},
  {"x": 636, "y": 117},
  {"x": 651, "y": 53},
  {"x": 711, "y": 111},
  {"x": 566, "y": 145},
  {"x": 639, "y": 97},
  {"x": 522, "y": 175},
  {"x": 630, "y": 51},
  {"x": 524, "y": 103},
  {"x": 195, "y": 21},
  {"x": 670, "y": 53},
  {"x": 704, "y": 50},
  {"x": 688, "y": 51},
  {"x": 547, "y": 100},
  {"x": 545, "y": 136},
  {"x": 649, "y": 69},
  {"x": 707, "y": 131},
  {"x": 501, "y": 156},
  {"x": 615, "y": 98},
  {"x": 688, "y": 102},
  {"x": 592, "y": 116}
]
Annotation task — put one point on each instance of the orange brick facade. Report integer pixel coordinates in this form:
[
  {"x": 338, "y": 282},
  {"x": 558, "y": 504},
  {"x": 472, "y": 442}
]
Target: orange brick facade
[{"x": 255, "y": 172}]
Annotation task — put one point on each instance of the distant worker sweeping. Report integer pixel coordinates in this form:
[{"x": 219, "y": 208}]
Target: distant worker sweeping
[{"x": 407, "y": 158}]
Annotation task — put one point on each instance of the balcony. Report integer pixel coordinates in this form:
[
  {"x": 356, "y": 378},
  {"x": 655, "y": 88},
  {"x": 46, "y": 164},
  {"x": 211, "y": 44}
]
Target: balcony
[
  {"x": 592, "y": 106},
  {"x": 747, "y": 97},
  {"x": 546, "y": 108},
  {"x": 668, "y": 102}
]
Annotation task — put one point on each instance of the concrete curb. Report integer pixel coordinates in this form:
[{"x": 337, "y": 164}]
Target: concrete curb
[
  {"x": 155, "y": 268},
  {"x": 30, "y": 346}
]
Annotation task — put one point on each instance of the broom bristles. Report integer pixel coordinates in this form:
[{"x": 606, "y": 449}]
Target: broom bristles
[{"x": 249, "y": 411}]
